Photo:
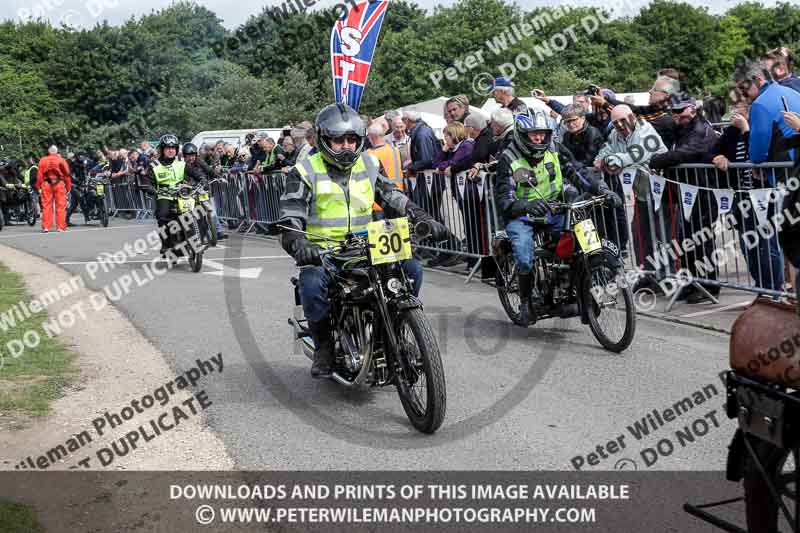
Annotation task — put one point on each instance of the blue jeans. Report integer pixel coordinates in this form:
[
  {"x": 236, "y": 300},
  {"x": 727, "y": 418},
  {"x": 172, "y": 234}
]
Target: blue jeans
[
  {"x": 315, "y": 283},
  {"x": 764, "y": 258},
  {"x": 521, "y": 234}
]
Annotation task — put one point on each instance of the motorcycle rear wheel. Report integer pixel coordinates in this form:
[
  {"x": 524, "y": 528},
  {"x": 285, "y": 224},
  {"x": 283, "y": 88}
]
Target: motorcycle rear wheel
[
  {"x": 763, "y": 514},
  {"x": 601, "y": 278},
  {"x": 424, "y": 400}
]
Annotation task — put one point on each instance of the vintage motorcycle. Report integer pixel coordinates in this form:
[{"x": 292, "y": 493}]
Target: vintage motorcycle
[
  {"x": 762, "y": 395},
  {"x": 198, "y": 230},
  {"x": 27, "y": 207},
  {"x": 382, "y": 336},
  {"x": 576, "y": 273},
  {"x": 93, "y": 200}
]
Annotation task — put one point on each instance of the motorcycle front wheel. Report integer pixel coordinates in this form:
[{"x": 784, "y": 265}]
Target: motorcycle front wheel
[
  {"x": 103, "y": 213},
  {"x": 611, "y": 314},
  {"x": 195, "y": 256},
  {"x": 508, "y": 286},
  {"x": 424, "y": 394}
]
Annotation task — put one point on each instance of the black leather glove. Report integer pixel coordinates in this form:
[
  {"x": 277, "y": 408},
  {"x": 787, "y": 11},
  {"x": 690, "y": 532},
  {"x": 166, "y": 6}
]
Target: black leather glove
[
  {"x": 614, "y": 198},
  {"x": 537, "y": 208},
  {"x": 439, "y": 231},
  {"x": 307, "y": 253},
  {"x": 616, "y": 201}
]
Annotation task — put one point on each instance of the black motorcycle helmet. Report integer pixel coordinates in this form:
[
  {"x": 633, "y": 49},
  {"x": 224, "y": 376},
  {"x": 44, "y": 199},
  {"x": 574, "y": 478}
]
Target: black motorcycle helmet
[
  {"x": 189, "y": 149},
  {"x": 528, "y": 122},
  {"x": 168, "y": 140},
  {"x": 334, "y": 121}
]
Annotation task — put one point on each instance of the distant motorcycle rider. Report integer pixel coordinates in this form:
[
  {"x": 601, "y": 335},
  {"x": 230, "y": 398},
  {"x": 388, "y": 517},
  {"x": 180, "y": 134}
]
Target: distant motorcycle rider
[
  {"x": 330, "y": 194},
  {"x": 200, "y": 168},
  {"x": 165, "y": 172},
  {"x": 558, "y": 177},
  {"x": 9, "y": 179}
]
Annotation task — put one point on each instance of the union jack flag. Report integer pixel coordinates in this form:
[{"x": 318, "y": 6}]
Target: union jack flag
[{"x": 353, "y": 41}]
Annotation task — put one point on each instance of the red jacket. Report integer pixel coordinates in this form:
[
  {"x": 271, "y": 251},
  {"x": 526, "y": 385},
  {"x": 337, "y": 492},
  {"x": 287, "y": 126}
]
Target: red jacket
[{"x": 53, "y": 166}]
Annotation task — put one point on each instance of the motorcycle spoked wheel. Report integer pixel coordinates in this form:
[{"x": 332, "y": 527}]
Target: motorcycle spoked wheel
[
  {"x": 617, "y": 312},
  {"x": 209, "y": 230},
  {"x": 424, "y": 396},
  {"x": 195, "y": 257},
  {"x": 763, "y": 512},
  {"x": 103, "y": 213},
  {"x": 32, "y": 211},
  {"x": 508, "y": 286}
]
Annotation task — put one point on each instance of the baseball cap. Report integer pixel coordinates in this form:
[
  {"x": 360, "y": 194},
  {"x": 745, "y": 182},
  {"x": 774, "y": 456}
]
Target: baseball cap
[
  {"x": 262, "y": 135},
  {"x": 682, "y": 101},
  {"x": 502, "y": 82}
]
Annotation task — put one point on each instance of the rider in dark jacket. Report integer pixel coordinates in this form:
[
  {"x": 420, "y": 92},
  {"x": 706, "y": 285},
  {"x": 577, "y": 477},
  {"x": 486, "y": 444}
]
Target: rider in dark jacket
[{"x": 558, "y": 177}]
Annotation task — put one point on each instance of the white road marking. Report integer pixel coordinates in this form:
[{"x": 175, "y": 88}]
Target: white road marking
[
  {"x": 222, "y": 270},
  {"x": 70, "y": 231}
]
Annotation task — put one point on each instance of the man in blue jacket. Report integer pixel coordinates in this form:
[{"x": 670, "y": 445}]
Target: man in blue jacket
[{"x": 767, "y": 126}]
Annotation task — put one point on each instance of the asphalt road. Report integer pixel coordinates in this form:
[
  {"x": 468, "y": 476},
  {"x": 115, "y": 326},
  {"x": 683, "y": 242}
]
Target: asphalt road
[{"x": 517, "y": 399}]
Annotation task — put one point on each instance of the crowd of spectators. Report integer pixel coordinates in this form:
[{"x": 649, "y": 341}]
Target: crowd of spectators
[{"x": 604, "y": 134}]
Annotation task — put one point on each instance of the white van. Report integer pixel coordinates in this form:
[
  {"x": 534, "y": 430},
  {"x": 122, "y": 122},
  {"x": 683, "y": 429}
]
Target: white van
[{"x": 235, "y": 137}]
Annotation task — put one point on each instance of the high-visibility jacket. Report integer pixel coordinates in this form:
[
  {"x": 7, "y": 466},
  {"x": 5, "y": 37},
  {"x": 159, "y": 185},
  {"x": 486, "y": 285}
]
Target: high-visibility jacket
[
  {"x": 169, "y": 175},
  {"x": 389, "y": 156},
  {"x": 26, "y": 176},
  {"x": 334, "y": 211},
  {"x": 548, "y": 188}
]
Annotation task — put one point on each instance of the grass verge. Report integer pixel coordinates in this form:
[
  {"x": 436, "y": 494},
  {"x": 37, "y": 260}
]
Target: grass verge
[
  {"x": 18, "y": 518},
  {"x": 37, "y": 376}
]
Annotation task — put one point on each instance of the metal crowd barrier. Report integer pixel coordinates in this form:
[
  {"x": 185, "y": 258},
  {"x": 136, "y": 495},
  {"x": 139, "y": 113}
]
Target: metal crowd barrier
[
  {"x": 651, "y": 234},
  {"x": 125, "y": 195},
  {"x": 716, "y": 229}
]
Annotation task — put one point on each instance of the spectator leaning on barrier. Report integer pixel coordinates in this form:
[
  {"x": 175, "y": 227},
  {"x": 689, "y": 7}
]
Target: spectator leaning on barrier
[
  {"x": 630, "y": 147},
  {"x": 779, "y": 63},
  {"x": 657, "y": 111},
  {"x": 469, "y": 201},
  {"x": 767, "y": 125},
  {"x": 290, "y": 150},
  {"x": 763, "y": 258},
  {"x": 502, "y": 125},
  {"x": 600, "y": 121},
  {"x": 694, "y": 138},
  {"x": 503, "y": 94},
  {"x": 54, "y": 183}
]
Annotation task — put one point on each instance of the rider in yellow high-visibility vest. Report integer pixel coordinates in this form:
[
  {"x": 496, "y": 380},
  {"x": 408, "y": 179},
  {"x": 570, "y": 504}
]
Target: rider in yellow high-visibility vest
[
  {"x": 328, "y": 195},
  {"x": 553, "y": 167},
  {"x": 167, "y": 172}
]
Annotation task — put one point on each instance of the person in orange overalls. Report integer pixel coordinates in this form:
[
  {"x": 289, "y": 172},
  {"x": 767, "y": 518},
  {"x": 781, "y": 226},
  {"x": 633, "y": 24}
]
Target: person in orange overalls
[{"x": 54, "y": 182}]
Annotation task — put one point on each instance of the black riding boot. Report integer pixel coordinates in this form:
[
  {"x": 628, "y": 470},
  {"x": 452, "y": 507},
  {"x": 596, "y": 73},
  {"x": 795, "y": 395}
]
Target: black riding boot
[
  {"x": 323, "y": 348},
  {"x": 524, "y": 299}
]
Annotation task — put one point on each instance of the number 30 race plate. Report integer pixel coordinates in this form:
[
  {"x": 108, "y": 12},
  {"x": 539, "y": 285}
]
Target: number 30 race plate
[
  {"x": 587, "y": 236},
  {"x": 389, "y": 241}
]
